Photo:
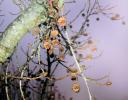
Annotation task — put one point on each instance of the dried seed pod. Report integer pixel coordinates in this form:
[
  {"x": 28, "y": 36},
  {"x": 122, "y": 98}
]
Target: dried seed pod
[
  {"x": 62, "y": 21},
  {"x": 47, "y": 45},
  {"x": 55, "y": 42},
  {"x": 54, "y": 33},
  {"x": 83, "y": 15},
  {"x": 93, "y": 49},
  {"x": 74, "y": 78},
  {"x": 108, "y": 83},
  {"x": 73, "y": 70},
  {"x": 76, "y": 87},
  {"x": 97, "y": 18},
  {"x": 115, "y": 17},
  {"x": 73, "y": 73}
]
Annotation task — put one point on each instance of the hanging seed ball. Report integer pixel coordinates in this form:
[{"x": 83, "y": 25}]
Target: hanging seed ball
[
  {"x": 70, "y": 26},
  {"x": 94, "y": 49},
  {"x": 97, "y": 18},
  {"x": 88, "y": 25},
  {"x": 108, "y": 83},
  {"x": 73, "y": 70},
  {"x": 62, "y": 21},
  {"x": 87, "y": 20},
  {"x": 83, "y": 14},
  {"x": 115, "y": 17},
  {"x": 54, "y": 33},
  {"x": 47, "y": 45},
  {"x": 55, "y": 42},
  {"x": 76, "y": 87},
  {"x": 73, "y": 78},
  {"x": 73, "y": 73}
]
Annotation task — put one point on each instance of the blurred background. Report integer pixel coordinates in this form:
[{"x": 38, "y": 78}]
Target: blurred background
[{"x": 111, "y": 40}]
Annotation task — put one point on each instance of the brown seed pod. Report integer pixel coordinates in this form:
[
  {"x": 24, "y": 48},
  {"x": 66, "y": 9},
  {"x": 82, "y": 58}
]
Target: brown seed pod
[
  {"x": 74, "y": 78},
  {"x": 115, "y": 17},
  {"x": 73, "y": 70},
  {"x": 93, "y": 49},
  {"x": 73, "y": 73},
  {"x": 62, "y": 21},
  {"x": 47, "y": 45},
  {"x": 54, "y": 33},
  {"x": 55, "y": 42},
  {"x": 76, "y": 87},
  {"x": 108, "y": 83}
]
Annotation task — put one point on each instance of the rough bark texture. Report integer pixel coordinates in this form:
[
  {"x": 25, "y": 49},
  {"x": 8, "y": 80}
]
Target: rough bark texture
[{"x": 17, "y": 29}]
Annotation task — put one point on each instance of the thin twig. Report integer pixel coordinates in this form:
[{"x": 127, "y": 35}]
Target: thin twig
[
  {"x": 20, "y": 84},
  {"x": 82, "y": 74},
  {"x": 6, "y": 82}
]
